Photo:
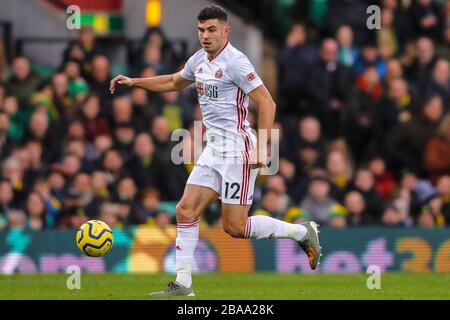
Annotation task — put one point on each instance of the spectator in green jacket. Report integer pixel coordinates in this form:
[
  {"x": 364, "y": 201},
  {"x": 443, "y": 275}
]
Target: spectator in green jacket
[{"x": 23, "y": 83}]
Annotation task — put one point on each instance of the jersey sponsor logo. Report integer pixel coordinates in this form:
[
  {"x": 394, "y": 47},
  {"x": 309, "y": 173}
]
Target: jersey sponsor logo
[
  {"x": 219, "y": 74},
  {"x": 200, "y": 70},
  {"x": 207, "y": 90},
  {"x": 251, "y": 76},
  {"x": 200, "y": 88}
]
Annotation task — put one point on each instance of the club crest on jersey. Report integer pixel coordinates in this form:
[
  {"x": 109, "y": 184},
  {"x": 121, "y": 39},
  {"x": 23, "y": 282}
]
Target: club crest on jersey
[
  {"x": 219, "y": 74},
  {"x": 251, "y": 76}
]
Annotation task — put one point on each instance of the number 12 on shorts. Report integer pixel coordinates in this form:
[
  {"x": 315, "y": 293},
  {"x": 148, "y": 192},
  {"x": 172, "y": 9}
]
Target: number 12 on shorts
[{"x": 232, "y": 189}]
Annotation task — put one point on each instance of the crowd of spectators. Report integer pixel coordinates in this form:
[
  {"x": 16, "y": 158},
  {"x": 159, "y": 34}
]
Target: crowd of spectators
[{"x": 363, "y": 116}]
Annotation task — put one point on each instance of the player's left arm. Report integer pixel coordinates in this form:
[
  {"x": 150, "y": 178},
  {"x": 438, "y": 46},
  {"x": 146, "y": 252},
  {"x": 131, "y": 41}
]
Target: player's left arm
[{"x": 266, "y": 115}]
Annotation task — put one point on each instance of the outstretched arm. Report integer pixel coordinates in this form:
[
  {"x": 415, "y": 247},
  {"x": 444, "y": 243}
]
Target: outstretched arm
[
  {"x": 266, "y": 106},
  {"x": 172, "y": 82}
]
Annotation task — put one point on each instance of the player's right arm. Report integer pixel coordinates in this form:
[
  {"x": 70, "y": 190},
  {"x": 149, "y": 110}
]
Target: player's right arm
[{"x": 172, "y": 82}]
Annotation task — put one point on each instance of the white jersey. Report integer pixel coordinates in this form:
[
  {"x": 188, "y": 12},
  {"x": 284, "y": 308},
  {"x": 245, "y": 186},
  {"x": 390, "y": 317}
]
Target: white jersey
[{"x": 223, "y": 85}]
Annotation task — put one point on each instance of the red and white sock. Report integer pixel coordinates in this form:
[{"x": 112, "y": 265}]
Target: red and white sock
[
  {"x": 262, "y": 227},
  {"x": 187, "y": 238}
]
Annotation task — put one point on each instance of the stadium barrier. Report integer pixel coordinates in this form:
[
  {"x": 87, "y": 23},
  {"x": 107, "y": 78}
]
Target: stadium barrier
[{"x": 144, "y": 249}]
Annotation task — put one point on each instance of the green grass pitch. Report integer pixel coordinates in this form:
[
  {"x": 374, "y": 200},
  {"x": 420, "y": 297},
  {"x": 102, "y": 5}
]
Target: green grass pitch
[{"x": 231, "y": 286}]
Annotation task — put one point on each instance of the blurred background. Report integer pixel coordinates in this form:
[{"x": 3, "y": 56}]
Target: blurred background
[{"x": 363, "y": 115}]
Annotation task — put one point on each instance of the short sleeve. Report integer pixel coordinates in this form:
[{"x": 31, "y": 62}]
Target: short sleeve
[
  {"x": 188, "y": 70},
  {"x": 244, "y": 75}
]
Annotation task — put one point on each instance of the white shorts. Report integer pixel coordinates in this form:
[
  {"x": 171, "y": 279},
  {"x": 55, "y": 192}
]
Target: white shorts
[{"x": 233, "y": 179}]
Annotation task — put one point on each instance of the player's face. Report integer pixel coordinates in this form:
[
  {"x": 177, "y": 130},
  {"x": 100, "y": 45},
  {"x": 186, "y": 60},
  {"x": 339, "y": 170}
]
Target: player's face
[{"x": 212, "y": 34}]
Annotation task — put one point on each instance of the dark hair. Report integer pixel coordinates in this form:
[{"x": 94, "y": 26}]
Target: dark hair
[
  {"x": 41, "y": 198},
  {"x": 428, "y": 98},
  {"x": 5, "y": 180},
  {"x": 212, "y": 12}
]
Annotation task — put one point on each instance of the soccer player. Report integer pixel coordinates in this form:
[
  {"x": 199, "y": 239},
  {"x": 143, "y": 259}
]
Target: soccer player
[{"x": 225, "y": 81}]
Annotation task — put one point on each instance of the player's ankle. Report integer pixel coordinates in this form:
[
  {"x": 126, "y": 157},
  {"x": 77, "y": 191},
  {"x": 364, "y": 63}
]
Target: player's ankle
[{"x": 184, "y": 279}]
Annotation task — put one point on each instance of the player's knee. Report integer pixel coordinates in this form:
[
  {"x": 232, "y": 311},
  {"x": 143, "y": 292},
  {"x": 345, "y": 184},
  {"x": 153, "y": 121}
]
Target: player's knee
[
  {"x": 184, "y": 212},
  {"x": 234, "y": 230}
]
